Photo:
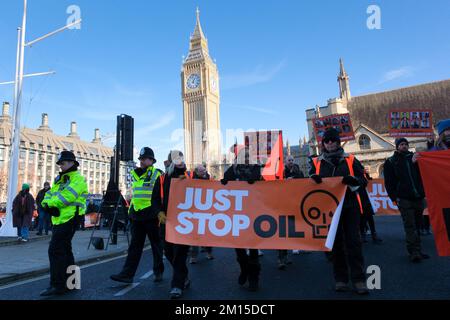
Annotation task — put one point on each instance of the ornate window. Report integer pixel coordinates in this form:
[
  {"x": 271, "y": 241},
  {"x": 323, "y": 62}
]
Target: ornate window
[{"x": 364, "y": 142}]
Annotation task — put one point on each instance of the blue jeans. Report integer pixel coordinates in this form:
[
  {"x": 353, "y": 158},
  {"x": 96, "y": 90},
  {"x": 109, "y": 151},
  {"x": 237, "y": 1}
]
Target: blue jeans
[
  {"x": 44, "y": 221},
  {"x": 22, "y": 232}
]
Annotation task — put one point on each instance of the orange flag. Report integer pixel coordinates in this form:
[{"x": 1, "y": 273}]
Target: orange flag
[{"x": 435, "y": 172}]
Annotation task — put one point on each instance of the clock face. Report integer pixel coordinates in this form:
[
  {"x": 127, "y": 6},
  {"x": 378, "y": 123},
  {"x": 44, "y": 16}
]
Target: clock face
[
  {"x": 213, "y": 83},
  {"x": 193, "y": 81}
]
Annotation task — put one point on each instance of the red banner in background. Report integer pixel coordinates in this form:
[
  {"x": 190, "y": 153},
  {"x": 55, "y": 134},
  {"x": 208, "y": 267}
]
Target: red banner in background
[
  {"x": 435, "y": 173},
  {"x": 410, "y": 123},
  {"x": 266, "y": 148},
  {"x": 340, "y": 122}
]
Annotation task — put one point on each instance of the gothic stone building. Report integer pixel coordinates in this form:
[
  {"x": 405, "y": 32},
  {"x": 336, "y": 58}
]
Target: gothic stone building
[{"x": 369, "y": 117}]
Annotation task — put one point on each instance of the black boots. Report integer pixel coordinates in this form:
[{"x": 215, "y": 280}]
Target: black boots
[
  {"x": 244, "y": 272},
  {"x": 253, "y": 276}
]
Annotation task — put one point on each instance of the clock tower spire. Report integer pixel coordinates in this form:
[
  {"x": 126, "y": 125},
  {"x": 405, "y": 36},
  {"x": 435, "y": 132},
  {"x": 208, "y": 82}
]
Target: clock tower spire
[{"x": 201, "y": 103}]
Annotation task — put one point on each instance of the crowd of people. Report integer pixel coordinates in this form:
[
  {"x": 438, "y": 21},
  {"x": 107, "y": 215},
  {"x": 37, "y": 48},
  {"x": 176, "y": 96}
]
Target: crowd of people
[{"x": 65, "y": 203}]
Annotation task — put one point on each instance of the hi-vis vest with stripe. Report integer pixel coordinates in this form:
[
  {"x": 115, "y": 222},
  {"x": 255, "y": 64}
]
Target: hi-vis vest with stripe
[
  {"x": 143, "y": 188},
  {"x": 69, "y": 194},
  {"x": 350, "y": 159}
]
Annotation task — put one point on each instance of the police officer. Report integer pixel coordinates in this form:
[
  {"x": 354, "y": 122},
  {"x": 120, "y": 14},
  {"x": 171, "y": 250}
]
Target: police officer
[
  {"x": 143, "y": 212},
  {"x": 241, "y": 170},
  {"x": 65, "y": 202},
  {"x": 347, "y": 249}
]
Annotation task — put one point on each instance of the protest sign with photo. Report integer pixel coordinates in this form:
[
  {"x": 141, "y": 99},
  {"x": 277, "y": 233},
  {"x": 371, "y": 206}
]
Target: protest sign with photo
[
  {"x": 410, "y": 123},
  {"x": 341, "y": 122},
  {"x": 266, "y": 148},
  {"x": 242, "y": 215}
]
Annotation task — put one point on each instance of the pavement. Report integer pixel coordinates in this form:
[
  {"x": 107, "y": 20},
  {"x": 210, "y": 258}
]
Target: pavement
[{"x": 23, "y": 260}]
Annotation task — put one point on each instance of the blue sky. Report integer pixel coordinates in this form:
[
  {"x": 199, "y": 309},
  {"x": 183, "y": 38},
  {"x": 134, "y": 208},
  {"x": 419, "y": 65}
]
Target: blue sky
[{"x": 275, "y": 59}]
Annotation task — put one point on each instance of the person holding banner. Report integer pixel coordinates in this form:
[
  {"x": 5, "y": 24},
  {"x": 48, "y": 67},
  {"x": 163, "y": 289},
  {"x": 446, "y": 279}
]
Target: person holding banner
[
  {"x": 404, "y": 187},
  {"x": 249, "y": 263},
  {"x": 443, "y": 142},
  {"x": 175, "y": 253},
  {"x": 347, "y": 249},
  {"x": 291, "y": 171},
  {"x": 201, "y": 173},
  {"x": 367, "y": 216}
]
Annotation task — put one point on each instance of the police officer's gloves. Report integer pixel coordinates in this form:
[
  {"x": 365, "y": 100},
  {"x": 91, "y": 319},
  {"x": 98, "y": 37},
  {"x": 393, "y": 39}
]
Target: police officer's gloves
[
  {"x": 54, "y": 212},
  {"x": 350, "y": 181},
  {"x": 162, "y": 217},
  {"x": 317, "y": 179},
  {"x": 223, "y": 181}
]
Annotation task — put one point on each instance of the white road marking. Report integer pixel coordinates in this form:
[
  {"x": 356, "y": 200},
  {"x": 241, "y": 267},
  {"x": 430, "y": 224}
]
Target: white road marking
[
  {"x": 15, "y": 284},
  {"x": 147, "y": 275},
  {"x": 127, "y": 289}
]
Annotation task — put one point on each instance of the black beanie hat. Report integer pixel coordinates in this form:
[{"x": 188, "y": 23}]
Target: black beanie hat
[
  {"x": 398, "y": 141},
  {"x": 331, "y": 134}
]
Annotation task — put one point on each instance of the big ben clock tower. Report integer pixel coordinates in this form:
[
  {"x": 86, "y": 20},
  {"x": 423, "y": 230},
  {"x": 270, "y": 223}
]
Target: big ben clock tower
[{"x": 201, "y": 103}]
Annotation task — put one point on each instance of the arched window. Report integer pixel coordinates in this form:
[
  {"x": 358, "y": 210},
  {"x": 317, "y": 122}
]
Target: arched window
[
  {"x": 381, "y": 171},
  {"x": 364, "y": 142}
]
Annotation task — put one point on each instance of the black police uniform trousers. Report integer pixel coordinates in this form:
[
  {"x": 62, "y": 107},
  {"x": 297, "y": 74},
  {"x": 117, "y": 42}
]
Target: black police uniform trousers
[
  {"x": 347, "y": 249},
  {"x": 249, "y": 263},
  {"x": 139, "y": 230},
  {"x": 60, "y": 253}
]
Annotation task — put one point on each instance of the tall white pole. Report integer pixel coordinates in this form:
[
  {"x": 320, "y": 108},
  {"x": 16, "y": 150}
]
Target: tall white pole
[{"x": 7, "y": 228}]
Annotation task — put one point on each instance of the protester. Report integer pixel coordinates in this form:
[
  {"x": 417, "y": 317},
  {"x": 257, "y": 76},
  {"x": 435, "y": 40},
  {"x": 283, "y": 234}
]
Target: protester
[
  {"x": 175, "y": 253},
  {"x": 404, "y": 187},
  {"x": 443, "y": 141},
  {"x": 248, "y": 262},
  {"x": 291, "y": 171},
  {"x": 347, "y": 249},
  {"x": 44, "y": 217},
  {"x": 200, "y": 172},
  {"x": 143, "y": 213},
  {"x": 367, "y": 216},
  {"x": 22, "y": 209}
]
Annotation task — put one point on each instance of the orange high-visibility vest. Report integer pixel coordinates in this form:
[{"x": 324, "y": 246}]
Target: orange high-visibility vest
[
  {"x": 162, "y": 177},
  {"x": 161, "y": 182},
  {"x": 349, "y": 160}
]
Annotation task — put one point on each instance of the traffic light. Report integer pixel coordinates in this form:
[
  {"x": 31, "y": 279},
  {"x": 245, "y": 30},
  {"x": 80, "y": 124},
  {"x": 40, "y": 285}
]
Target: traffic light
[{"x": 125, "y": 128}]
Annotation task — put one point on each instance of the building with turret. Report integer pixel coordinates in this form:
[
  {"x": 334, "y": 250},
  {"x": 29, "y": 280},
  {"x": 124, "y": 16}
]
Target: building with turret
[{"x": 369, "y": 116}]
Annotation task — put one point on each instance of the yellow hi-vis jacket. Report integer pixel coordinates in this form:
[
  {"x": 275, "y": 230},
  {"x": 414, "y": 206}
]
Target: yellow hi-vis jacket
[
  {"x": 69, "y": 194},
  {"x": 142, "y": 187}
]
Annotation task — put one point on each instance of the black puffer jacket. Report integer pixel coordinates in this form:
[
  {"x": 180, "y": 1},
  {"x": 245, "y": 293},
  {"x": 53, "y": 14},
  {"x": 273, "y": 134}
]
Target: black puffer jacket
[
  {"x": 402, "y": 177},
  {"x": 328, "y": 169},
  {"x": 243, "y": 172},
  {"x": 294, "y": 172}
]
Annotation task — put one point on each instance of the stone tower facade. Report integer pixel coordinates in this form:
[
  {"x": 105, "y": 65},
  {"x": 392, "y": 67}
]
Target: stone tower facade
[{"x": 201, "y": 104}]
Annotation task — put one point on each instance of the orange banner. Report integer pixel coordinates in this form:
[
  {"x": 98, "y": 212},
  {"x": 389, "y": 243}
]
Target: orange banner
[
  {"x": 379, "y": 199},
  {"x": 435, "y": 173},
  {"x": 283, "y": 214}
]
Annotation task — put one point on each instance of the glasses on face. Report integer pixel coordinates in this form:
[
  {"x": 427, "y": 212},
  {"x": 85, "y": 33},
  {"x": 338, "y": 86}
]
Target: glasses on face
[
  {"x": 290, "y": 160},
  {"x": 329, "y": 140}
]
